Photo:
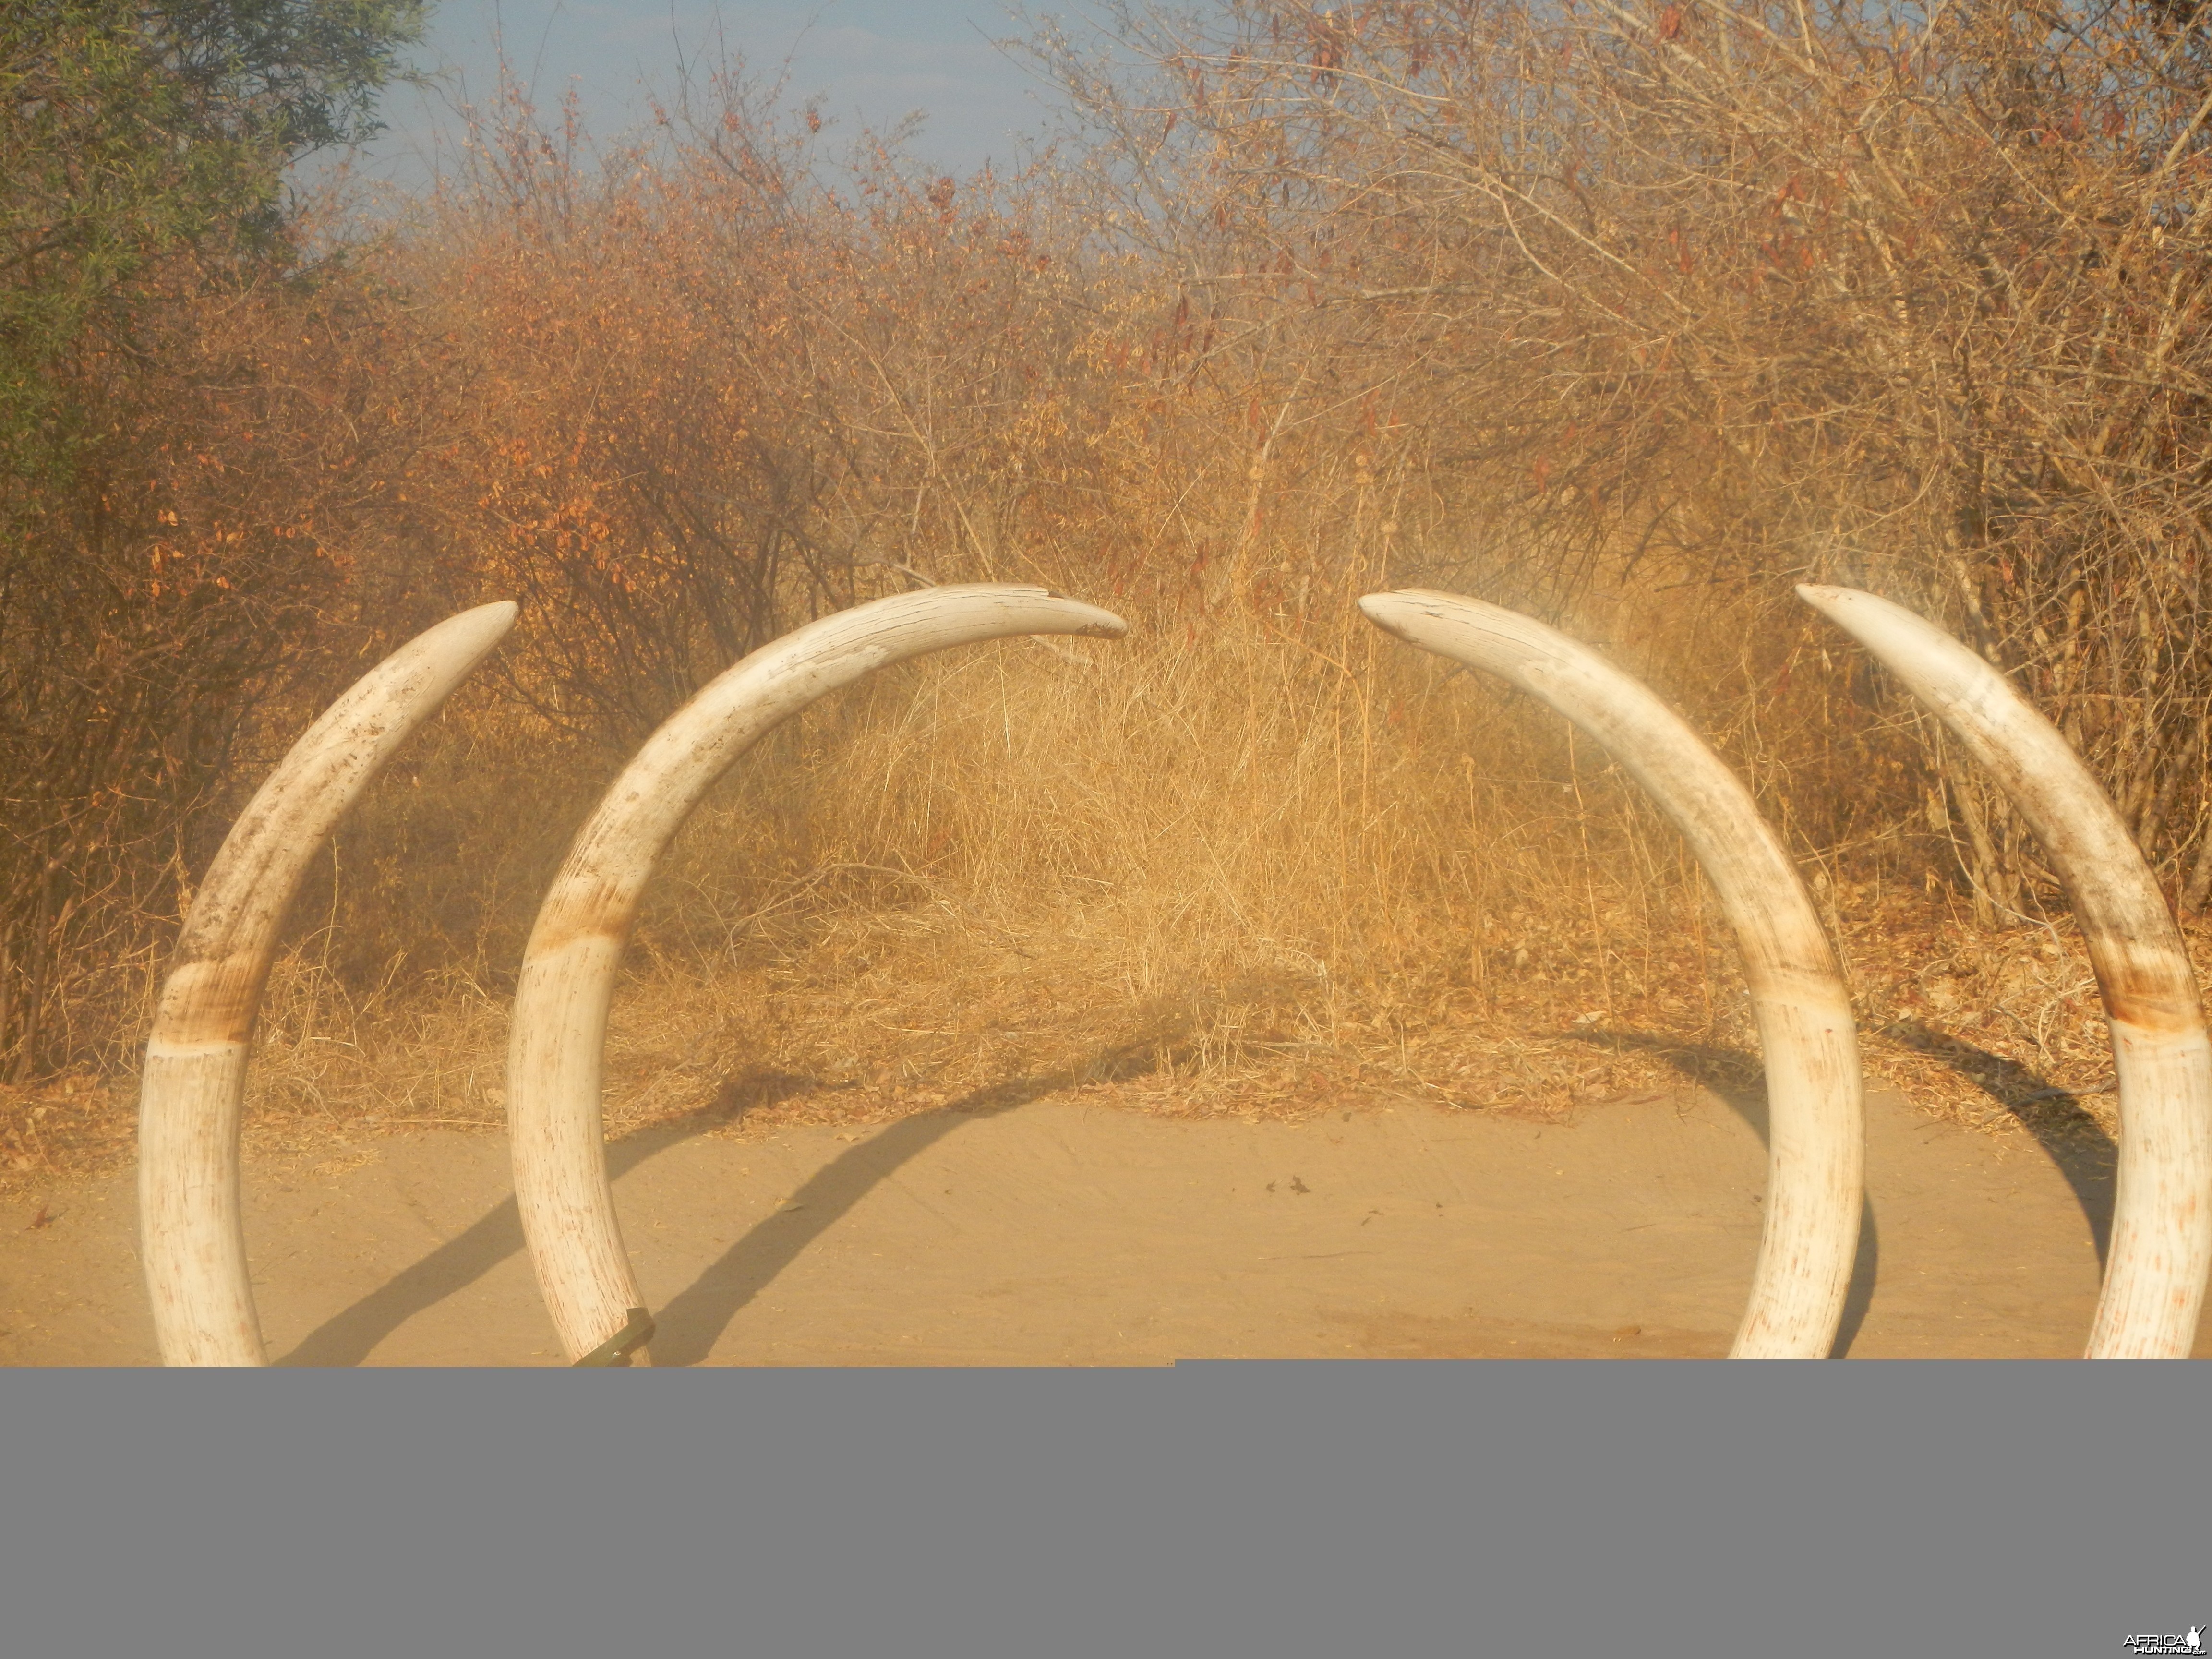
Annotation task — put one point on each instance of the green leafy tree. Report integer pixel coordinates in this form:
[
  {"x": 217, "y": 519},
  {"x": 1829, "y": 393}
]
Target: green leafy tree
[
  {"x": 157, "y": 572},
  {"x": 132, "y": 132}
]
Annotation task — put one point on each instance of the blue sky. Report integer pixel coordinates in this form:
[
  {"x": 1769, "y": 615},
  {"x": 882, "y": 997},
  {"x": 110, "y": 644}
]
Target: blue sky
[{"x": 870, "y": 63}]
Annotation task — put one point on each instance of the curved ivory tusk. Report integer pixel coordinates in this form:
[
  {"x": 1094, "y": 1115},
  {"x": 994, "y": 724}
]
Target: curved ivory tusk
[
  {"x": 2161, "y": 1247},
  {"x": 1816, "y": 1140},
  {"x": 559, "y": 1035},
  {"x": 194, "y": 1087}
]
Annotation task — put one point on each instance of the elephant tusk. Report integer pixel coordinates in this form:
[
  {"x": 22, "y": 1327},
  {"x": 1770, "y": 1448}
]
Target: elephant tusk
[
  {"x": 1816, "y": 1140},
  {"x": 2161, "y": 1245},
  {"x": 193, "y": 1091},
  {"x": 557, "y": 1047}
]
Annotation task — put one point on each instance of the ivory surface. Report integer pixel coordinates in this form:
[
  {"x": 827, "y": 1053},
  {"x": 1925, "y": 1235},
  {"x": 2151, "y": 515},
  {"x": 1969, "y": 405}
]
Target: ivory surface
[
  {"x": 194, "y": 1087},
  {"x": 556, "y": 1046},
  {"x": 2161, "y": 1243},
  {"x": 1816, "y": 1138}
]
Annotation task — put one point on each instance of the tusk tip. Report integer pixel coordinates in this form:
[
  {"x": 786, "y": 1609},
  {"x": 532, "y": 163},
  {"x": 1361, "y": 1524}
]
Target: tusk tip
[
  {"x": 1090, "y": 622},
  {"x": 475, "y": 632},
  {"x": 1826, "y": 597},
  {"x": 1388, "y": 611},
  {"x": 1083, "y": 620},
  {"x": 1403, "y": 612},
  {"x": 500, "y": 614}
]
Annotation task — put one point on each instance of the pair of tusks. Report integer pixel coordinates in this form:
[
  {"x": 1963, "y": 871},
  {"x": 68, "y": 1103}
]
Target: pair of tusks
[
  {"x": 2161, "y": 1239},
  {"x": 196, "y": 1063},
  {"x": 191, "y": 1096}
]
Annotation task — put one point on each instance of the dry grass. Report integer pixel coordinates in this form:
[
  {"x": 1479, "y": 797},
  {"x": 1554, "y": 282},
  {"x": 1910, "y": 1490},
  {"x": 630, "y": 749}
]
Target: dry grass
[{"x": 1226, "y": 873}]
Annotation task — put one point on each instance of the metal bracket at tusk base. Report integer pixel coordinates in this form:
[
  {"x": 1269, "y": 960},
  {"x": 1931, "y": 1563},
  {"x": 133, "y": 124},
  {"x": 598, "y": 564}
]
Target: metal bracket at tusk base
[{"x": 616, "y": 1350}]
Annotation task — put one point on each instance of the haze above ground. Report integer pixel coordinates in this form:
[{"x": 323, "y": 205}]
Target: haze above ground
[{"x": 863, "y": 64}]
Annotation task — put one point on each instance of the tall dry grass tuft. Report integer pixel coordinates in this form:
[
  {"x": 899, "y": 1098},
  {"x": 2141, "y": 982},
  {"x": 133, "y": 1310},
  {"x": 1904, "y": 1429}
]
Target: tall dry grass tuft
[
  {"x": 1227, "y": 868},
  {"x": 1246, "y": 866}
]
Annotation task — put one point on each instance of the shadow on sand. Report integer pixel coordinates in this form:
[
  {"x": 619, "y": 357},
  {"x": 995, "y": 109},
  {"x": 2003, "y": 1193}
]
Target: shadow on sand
[
  {"x": 348, "y": 1338},
  {"x": 1734, "y": 1078},
  {"x": 695, "y": 1319},
  {"x": 2075, "y": 1142},
  {"x": 692, "y": 1322},
  {"x": 2076, "y": 1145}
]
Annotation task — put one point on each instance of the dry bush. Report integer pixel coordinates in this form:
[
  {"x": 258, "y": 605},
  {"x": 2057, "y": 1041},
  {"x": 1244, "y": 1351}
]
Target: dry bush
[
  {"x": 1735, "y": 294},
  {"x": 691, "y": 395},
  {"x": 172, "y": 593},
  {"x": 1621, "y": 318}
]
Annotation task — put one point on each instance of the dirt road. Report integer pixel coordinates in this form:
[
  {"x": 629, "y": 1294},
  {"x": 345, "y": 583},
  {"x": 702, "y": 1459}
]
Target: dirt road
[{"x": 1066, "y": 1231}]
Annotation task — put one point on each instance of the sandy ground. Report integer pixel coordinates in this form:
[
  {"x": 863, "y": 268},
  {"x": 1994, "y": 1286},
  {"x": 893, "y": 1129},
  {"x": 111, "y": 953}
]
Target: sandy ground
[{"x": 1066, "y": 1231}]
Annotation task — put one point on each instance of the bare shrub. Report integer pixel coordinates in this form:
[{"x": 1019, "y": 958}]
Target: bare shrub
[{"x": 1727, "y": 294}]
